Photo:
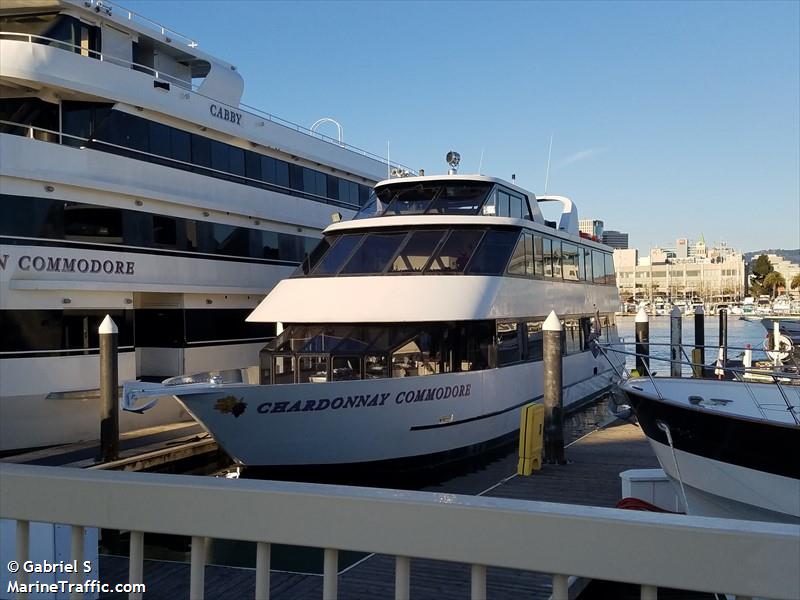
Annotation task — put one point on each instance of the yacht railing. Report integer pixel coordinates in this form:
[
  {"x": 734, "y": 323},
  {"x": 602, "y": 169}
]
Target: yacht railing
[
  {"x": 780, "y": 376},
  {"x": 651, "y": 550},
  {"x": 92, "y": 143},
  {"x": 193, "y": 88},
  {"x": 107, "y": 7}
]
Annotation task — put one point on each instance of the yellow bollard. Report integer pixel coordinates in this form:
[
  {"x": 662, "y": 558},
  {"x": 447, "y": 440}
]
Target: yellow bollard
[{"x": 531, "y": 439}]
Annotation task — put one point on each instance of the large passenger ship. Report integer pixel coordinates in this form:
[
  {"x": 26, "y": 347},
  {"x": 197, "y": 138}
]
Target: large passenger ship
[
  {"x": 413, "y": 330},
  {"x": 134, "y": 182}
]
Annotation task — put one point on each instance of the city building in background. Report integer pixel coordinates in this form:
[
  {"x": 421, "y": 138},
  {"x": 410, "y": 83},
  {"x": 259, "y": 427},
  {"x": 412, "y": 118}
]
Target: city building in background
[
  {"x": 685, "y": 271},
  {"x": 592, "y": 228},
  {"x": 615, "y": 239},
  {"x": 788, "y": 268}
]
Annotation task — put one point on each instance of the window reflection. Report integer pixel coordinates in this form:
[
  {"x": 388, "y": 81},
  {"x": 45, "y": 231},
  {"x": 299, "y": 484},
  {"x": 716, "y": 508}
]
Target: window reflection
[
  {"x": 374, "y": 253},
  {"x": 416, "y": 251},
  {"x": 333, "y": 260},
  {"x": 455, "y": 253}
]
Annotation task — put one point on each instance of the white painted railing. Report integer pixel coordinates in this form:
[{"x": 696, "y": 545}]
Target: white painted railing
[{"x": 652, "y": 550}]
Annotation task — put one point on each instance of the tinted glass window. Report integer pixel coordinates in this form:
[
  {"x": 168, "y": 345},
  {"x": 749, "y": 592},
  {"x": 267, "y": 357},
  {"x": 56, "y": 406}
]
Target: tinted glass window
[
  {"x": 587, "y": 263},
  {"x": 459, "y": 199},
  {"x": 610, "y": 277},
  {"x": 180, "y": 145},
  {"x": 598, "y": 267},
  {"x": 236, "y": 159},
  {"x": 581, "y": 264},
  {"x": 492, "y": 255},
  {"x": 374, "y": 253},
  {"x": 547, "y": 257},
  {"x": 219, "y": 156},
  {"x": 508, "y": 347},
  {"x": 535, "y": 340},
  {"x": 87, "y": 222},
  {"x": 538, "y": 255},
  {"x": 160, "y": 139},
  {"x": 557, "y": 258},
  {"x": 201, "y": 151},
  {"x": 416, "y": 252},
  {"x": 313, "y": 257},
  {"x": 281, "y": 173},
  {"x": 335, "y": 257},
  {"x": 569, "y": 257},
  {"x": 320, "y": 184},
  {"x": 295, "y": 177},
  {"x": 363, "y": 194},
  {"x": 411, "y": 201},
  {"x": 252, "y": 165},
  {"x": 165, "y": 231},
  {"x": 455, "y": 253},
  {"x": 515, "y": 207},
  {"x": 516, "y": 265},
  {"x": 529, "y": 255},
  {"x": 268, "y": 169},
  {"x": 572, "y": 336},
  {"x": 309, "y": 180}
]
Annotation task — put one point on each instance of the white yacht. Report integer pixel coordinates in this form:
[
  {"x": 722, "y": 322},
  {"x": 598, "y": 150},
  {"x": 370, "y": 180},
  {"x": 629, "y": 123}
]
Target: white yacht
[
  {"x": 134, "y": 182},
  {"x": 413, "y": 330}
]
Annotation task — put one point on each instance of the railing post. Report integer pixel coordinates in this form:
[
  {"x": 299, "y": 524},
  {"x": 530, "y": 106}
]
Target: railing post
[
  {"x": 136, "y": 562},
  {"x": 649, "y": 592},
  {"x": 23, "y": 553},
  {"x": 642, "y": 342},
  {"x": 560, "y": 587},
  {"x": 262, "y": 570},
  {"x": 402, "y": 578},
  {"x": 76, "y": 554},
  {"x": 723, "y": 335},
  {"x": 198, "y": 568},
  {"x": 675, "y": 331},
  {"x": 478, "y": 582},
  {"x": 330, "y": 574},
  {"x": 553, "y": 391},
  {"x": 109, "y": 391},
  {"x": 699, "y": 353}
]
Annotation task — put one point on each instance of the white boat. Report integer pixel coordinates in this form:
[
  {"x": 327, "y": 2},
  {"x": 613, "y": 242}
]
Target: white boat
[
  {"x": 136, "y": 184},
  {"x": 414, "y": 330},
  {"x": 729, "y": 447}
]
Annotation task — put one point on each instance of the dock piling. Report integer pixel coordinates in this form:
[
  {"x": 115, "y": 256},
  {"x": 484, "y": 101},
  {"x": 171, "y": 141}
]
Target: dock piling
[
  {"x": 699, "y": 352},
  {"x": 553, "y": 392},
  {"x": 642, "y": 342},
  {"x": 675, "y": 331},
  {"x": 109, "y": 390}
]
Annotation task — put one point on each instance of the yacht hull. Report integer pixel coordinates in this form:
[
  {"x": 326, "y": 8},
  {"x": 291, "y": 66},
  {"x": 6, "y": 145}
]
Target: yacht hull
[
  {"x": 379, "y": 419},
  {"x": 730, "y": 465}
]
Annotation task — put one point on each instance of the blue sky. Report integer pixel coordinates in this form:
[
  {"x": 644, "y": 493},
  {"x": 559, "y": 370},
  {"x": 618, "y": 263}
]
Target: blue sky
[{"x": 669, "y": 119}]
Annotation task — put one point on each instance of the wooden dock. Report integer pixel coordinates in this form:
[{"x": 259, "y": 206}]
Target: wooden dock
[
  {"x": 164, "y": 447},
  {"x": 591, "y": 477}
]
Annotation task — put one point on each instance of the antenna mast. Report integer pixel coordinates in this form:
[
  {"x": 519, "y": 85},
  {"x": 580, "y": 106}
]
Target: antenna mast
[
  {"x": 480, "y": 163},
  {"x": 547, "y": 172}
]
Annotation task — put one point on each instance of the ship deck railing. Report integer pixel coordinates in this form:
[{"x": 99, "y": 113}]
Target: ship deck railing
[
  {"x": 192, "y": 88},
  {"x": 652, "y": 550}
]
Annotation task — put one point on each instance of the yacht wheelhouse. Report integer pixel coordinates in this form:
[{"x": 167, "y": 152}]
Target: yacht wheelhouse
[
  {"x": 134, "y": 182},
  {"x": 414, "y": 329}
]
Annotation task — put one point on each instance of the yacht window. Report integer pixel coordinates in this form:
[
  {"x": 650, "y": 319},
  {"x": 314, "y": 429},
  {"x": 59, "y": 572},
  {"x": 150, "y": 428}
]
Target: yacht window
[
  {"x": 458, "y": 199},
  {"x": 282, "y": 173},
  {"x": 610, "y": 277},
  {"x": 587, "y": 255},
  {"x": 516, "y": 265},
  {"x": 456, "y": 251},
  {"x": 345, "y": 368},
  {"x": 201, "y": 152},
  {"x": 508, "y": 346},
  {"x": 87, "y": 222},
  {"x": 515, "y": 207},
  {"x": 235, "y": 160},
  {"x": 312, "y": 259},
  {"x": 181, "y": 145},
  {"x": 569, "y": 257},
  {"x": 268, "y": 166},
  {"x": 376, "y": 366},
  {"x": 547, "y": 257},
  {"x": 535, "y": 340},
  {"x": 312, "y": 368},
  {"x": 581, "y": 264},
  {"x": 296, "y": 177},
  {"x": 252, "y": 165},
  {"x": 538, "y": 255},
  {"x": 572, "y": 336},
  {"x": 219, "y": 156},
  {"x": 335, "y": 257},
  {"x": 374, "y": 253},
  {"x": 283, "y": 368},
  {"x": 598, "y": 267},
  {"x": 492, "y": 255},
  {"x": 557, "y": 259},
  {"x": 416, "y": 251},
  {"x": 165, "y": 231},
  {"x": 411, "y": 201},
  {"x": 529, "y": 270}
]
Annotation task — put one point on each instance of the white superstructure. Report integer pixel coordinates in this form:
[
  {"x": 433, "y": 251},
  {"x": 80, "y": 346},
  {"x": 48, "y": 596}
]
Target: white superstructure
[
  {"x": 414, "y": 330},
  {"x": 134, "y": 183}
]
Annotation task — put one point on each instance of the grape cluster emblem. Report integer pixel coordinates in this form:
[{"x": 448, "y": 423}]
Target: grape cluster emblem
[{"x": 232, "y": 405}]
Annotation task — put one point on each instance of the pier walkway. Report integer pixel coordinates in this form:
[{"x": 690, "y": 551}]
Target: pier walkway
[{"x": 590, "y": 478}]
